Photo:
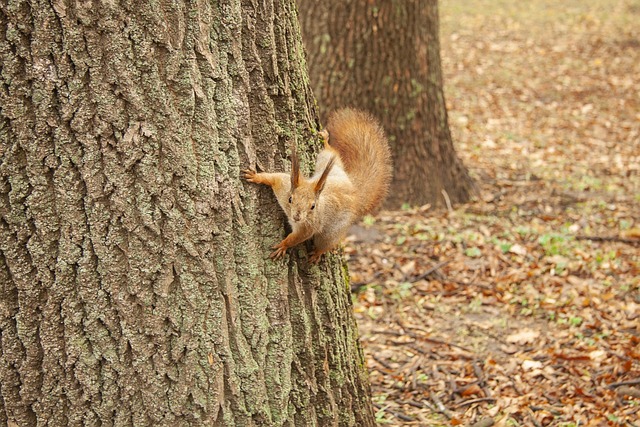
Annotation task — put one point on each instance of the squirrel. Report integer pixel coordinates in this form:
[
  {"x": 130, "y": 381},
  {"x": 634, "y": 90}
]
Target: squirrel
[{"x": 351, "y": 179}]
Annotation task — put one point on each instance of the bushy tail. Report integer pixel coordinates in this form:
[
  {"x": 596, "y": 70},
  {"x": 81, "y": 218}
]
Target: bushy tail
[{"x": 365, "y": 154}]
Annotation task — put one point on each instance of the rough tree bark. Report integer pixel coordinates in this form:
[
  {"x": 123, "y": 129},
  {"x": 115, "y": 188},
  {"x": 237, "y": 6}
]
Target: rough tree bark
[
  {"x": 384, "y": 57},
  {"x": 135, "y": 284}
]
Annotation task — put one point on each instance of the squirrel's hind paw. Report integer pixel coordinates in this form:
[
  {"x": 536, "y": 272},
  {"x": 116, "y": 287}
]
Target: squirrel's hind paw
[{"x": 315, "y": 257}]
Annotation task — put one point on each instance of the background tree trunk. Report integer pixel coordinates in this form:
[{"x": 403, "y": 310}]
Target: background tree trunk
[
  {"x": 384, "y": 57},
  {"x": 135, "y": 287}
]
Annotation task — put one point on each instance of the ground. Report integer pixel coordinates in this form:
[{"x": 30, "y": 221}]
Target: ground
[{"x": 521, "y": 308}]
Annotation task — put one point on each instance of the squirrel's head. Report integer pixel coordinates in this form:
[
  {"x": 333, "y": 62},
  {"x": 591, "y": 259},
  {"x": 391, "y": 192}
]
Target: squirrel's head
[{"x": 304, "y": 192}]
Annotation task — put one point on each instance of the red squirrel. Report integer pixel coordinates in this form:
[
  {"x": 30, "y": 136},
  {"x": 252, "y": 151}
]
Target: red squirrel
[{"x": 352, "y": 178}]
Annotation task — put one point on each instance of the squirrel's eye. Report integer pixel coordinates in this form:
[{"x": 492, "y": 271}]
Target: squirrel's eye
[
  {"x": 313, "y": 206},
  {"x": 289, "y": 199}
]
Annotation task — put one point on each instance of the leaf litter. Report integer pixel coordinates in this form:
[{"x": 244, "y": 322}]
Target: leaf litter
[{"x": 521, "y": 308}]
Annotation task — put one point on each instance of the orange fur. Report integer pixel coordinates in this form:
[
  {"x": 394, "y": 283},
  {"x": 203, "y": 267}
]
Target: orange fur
[
  {"x": 360, "y": 141},
  {"x": 352, "y": 178}
]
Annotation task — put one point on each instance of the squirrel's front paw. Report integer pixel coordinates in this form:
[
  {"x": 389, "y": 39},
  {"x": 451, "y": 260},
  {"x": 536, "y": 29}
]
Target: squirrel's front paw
[
  {"x": 280, "y": 250},
  {"x": 250, "y": 175}
]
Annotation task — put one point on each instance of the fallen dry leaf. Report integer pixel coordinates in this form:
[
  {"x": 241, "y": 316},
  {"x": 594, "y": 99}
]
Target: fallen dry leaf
[{"x": 524, "y": 336}]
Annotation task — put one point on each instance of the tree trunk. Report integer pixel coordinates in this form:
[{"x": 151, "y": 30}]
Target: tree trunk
[
  {"x": 384, "y": 57},
  {"x": 135, "y": 284}
]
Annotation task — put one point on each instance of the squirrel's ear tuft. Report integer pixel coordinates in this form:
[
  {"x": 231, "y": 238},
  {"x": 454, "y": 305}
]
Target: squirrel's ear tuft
[
  {"x": 325, "y": 174},
  {"x": 295, "y": 170}
]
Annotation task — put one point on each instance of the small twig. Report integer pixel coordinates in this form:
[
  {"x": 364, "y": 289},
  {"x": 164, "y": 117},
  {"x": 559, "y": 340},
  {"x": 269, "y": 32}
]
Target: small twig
[
  {"x": 471, "y": 283},
  {"x": 417, "y": 337},
  {"x": 441, "y": 408},
  {"x": 515, "y": 386},
  {"x": 419, "y": 349},
  {"x": 533, "y": 418},
  {"x": 382, "y": 362},
  {"x": 489, "y": 334},
  {"x": 621, "y": 383},
  {"x": 633, "y": 242},
  {"x": 356, "y": 286},
  {"x": 619, "y": 356},
  {"x": 450, "y": 344},
  {"x": 416, "y": 364},
  {"x": 436, "y": 341},
  {"x": 428, "y": 272},
  {"x": 417, "y": 404},
  {"x": 628, "y": 391},
  {"x": 477, "y": 370},
  {"x": 385, "y": 332},
  {"x": 447, "y": 200},
  {"x": 549, "y": 409},
  {"x": 472, "y": 401},
  {"x": 396, "y": 414}
]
